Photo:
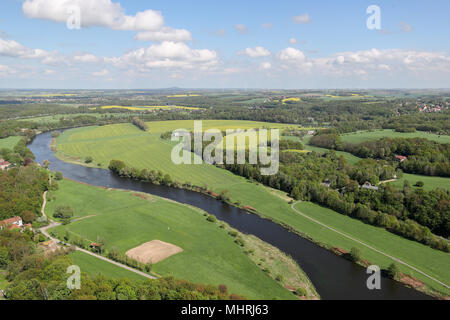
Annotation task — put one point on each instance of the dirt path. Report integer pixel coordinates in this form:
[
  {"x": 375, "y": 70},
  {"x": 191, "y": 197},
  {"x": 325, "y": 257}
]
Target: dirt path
[
  {"x": 366, "y": 245},
  {"x": 387, "y": 181},
  {"x": 55, "y": 224}
]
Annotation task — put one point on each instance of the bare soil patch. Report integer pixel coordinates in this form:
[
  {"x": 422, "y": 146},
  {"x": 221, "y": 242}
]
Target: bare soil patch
[{"x": 153, "y": 251}]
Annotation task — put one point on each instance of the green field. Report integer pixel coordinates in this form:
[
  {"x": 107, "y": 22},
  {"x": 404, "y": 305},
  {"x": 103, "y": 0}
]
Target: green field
[
  {"x": 126, "y": 221},
  {"x": 348, "y": 156},
  {"x": 93, "y": 266},
  {"x": 430, "y": 182},
  {"x": 9, "y": 142},
  {"x": 146, "y": 150},
  {"x": 361, "y": 136}
]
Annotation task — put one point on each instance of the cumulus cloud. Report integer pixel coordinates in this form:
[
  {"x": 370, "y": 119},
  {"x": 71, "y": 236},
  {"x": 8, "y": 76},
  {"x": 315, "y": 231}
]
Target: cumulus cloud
[
  {"x": 93, "y": 13},
  {"x": 11, "y": 48},
  {"x": 164, "y": 34},
  {"x": 302, "y": 19},
  {"x": 256, "y": 52},
  {"x": 88, "y": 57},
  {"x": 167, "y": 54},
  {"x": 241, "y": 28},
  {"x": 366, "y": 62}
]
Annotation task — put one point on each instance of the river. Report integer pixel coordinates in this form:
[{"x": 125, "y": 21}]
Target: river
[{"x": 334, "y": 277}]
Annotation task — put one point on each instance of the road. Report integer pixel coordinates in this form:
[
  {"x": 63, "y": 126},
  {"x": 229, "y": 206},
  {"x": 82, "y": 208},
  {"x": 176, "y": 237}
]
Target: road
[
  {"x": 366, "y": 245},
  {"x": 55, "y": 224}
]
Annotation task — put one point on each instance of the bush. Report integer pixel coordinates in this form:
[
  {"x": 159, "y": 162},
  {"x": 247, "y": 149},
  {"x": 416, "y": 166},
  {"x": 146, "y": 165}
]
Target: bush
[
  {"x": 63, "y": 212},
  {"x": 355, "y": 255},
  {"x": 419, "y": 184},
  {"x": 211, "y": 218},
  {"x": 88, "y": 160},
  {"x": 301, "y": 292},
  {"x": 393, "y": 271},
  {"x": 59, "y": 176}
]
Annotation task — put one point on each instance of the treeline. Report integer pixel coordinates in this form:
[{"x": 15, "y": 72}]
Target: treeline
[
  {"x": 33, "y": 276},
  {"x": 21, "y": 191},
  {"x": 330, "y": 181},
  {"x": 154, "y": 176},
  {"x": 424, "y": 156},
  {"x": 140, "y": 124}
]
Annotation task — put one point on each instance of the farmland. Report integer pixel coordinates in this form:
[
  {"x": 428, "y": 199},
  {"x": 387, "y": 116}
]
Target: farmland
[
  {"x": 146, "y": 108},
  {"x": 9, "y": 143},
  {"x": 146, "y": 150},
  {"x": 125, "y": 220},
  {"x": 361, "y": 136}
]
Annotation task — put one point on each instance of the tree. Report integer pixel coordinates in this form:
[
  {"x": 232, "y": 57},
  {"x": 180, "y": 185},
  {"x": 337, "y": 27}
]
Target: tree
[
  {"x": 46, "y": 164},
  {"x": 88, "y": 160},
  {"x": 393, "y": 271},
  {"x": 355, "y": 255},
  {"x": 63, "y": 212},
  {"x": 419, "y": 184},
  {"x": 28, "y": 216},
  {"x": 58, "y": 175}
]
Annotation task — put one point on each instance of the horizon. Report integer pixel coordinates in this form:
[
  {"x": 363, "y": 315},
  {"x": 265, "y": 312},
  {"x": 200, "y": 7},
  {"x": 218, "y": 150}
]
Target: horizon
[{"x": 113, "y": 44}]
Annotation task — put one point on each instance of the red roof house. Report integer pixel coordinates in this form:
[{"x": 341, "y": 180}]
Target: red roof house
[{"x": 401, "y": 158}]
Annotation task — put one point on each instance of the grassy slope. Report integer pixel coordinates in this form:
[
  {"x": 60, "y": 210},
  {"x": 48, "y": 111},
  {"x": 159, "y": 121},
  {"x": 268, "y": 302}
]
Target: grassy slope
[
  {"x": 141, "y": 149},
  {"x": 361, "y": 136},
  {"x": 126, "y": 221},
  {"x": 9, "y": 142},
  {"x": 430, "y": 182},
  {"x": 93, "y": 267},
  {"x": 348, "y": 156}
]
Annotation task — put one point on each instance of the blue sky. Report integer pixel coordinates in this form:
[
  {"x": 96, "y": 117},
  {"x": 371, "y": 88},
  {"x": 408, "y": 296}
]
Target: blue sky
[{"x": 263, "y": 44}]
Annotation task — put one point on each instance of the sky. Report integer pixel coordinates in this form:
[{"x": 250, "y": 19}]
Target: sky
[{"x": 285, "y": 44}]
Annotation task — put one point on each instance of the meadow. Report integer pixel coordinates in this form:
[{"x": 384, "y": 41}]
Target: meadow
[
  {"x": 144, "y": 108},
  {"x": 125, "y": 220},
  {"x": 93, "y": 267},
  {"x": 145, "y": 150},
  {"x": 430, "y": 182},
  {"x": 9, "y": 143},
  {"x": 361, "y": 136},
  {"x": 348, "y": 156}
]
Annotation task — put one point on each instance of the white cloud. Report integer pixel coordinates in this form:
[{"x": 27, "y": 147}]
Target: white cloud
[
  {"x": 302, "y": 19},
  {"x": 88, "y": 57},
  {"x": 167, "y": 54},
  {"x": 164, "y": 34},
  {"x": 265, "y": 65},
  {"x": 93, "y": 13},
  {"x": 11, "y": 48},
  {"x": 293, "y": 41},
  {"x": 5, "y": 71},
  {"x": 101, "y": 73},
  {"x": 241, "y": 28},
  {"x": 291, "y": 55},
  {"x": 257, "y": 52}
]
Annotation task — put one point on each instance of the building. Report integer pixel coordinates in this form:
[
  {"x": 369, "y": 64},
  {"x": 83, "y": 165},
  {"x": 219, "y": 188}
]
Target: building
[
  {"x": 4, "y": 164},
  {"x": 401, "y": 158},
  {"x": 369, "y": 186},
  {"x": 12, "y": 223}
]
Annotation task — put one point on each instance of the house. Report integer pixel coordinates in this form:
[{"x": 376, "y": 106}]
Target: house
[
  {"x": 369, "y": 186},
  {"x": 4, "y": 164},
  {"x": 327, "y": 183},
  {"x": 12, "y": 223},
  {"x": 311, "y": 132},
  {"x": 401, "y": 158}
]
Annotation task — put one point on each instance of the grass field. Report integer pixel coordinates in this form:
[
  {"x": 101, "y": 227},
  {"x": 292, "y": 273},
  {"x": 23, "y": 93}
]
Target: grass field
[
  {"x": 143, "y": 108},
  {"x": 93, "y": 266},
  {"x": 361, "y": 136},
  {"x": 9, "y": 143},
  {"x": 126, "y": 221},
  {"x": 348, "y": 156},
  {"x": 430, "y": 182},
  {"x": 145, "y": 150}
]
